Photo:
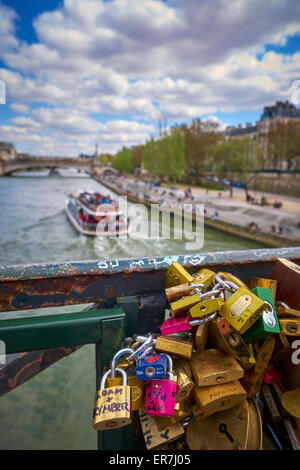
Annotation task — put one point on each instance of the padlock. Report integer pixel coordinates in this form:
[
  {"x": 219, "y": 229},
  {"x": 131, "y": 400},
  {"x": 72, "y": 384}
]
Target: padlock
[
  {"x": 242, "y": 309},
  {"x": 290, "y": 401},
  {"x": 185, "y": 383},
  {"x": 273, "y": 410},
  {"x": 264, "y": 354},
  {"x": 173, "y": 345},
  {"x": 153, "y": 437},
  {"x": 176, "y": 275},
  {"x": 226, "y": 338},
  {"x": 268, "y": 323},
  {"x": 212, "y": 367},
  {"x": 206, "y": 307},
  {"x": 230, "y": 277},
  {"x": 204, "y": 276},
  {"x": 160, "y": 395},
  {"x": 151, "y": 367},
  {"x": 287, "y": 275},
  {"x": 200, "y": 336},
  {"x": 136, "y": 385},
  {"x": 227, "y": 430},
  {"x": 248, "y": 363},
  {"x": 176, "y": 292},
  {"x": 182, "y": 323},
  {"x": 112, "y": 405},
  {"x": 183, "y": 305},
  {"x": 272, "y": 375},
  {"x": 283, "y": 310},
  {"x": 266, "y": 283},
  {"x": 182, "y": 410},
  {"x": 252, "y": 382},
  {"x": 290, "y": 326},
  {"x": 215, "y": 398}
]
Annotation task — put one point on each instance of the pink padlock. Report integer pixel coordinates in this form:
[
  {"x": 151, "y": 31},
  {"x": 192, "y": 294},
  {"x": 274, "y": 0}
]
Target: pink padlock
[
  {"x": 272, "y": 375},
  {"x": 182, "y": 323},
  {"x": 160, "y": 397}
]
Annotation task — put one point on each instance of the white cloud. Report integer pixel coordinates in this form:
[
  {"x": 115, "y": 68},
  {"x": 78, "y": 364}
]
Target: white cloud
[
  {"x": 190, "y": 58},
  {"x": 19, "y": 108}
]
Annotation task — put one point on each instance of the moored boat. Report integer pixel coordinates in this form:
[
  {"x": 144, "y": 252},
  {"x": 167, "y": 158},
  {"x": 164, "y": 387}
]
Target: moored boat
[{"x": 92, "y": 213}]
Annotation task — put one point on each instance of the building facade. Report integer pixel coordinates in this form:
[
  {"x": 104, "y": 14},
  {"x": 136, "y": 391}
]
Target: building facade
[{"x": 7, "y": 151}]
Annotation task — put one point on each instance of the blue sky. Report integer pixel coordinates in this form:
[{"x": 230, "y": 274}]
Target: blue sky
[{"x": 81, "y": 72}]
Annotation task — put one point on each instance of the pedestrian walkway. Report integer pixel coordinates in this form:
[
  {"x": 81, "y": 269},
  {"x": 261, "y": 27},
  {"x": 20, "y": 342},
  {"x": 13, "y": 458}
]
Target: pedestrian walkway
[{"x": 218, "y": 206}]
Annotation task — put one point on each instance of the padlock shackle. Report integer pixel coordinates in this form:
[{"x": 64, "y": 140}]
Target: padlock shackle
[
  {"x": 116, "y": 357},
  {"x": 102, "y": 385},
  {"x": 148, "y": 341},
  {"x": 170, "y": 371}
]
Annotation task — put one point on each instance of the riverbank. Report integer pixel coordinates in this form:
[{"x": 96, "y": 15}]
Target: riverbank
[{"x": 233, "y": 216}]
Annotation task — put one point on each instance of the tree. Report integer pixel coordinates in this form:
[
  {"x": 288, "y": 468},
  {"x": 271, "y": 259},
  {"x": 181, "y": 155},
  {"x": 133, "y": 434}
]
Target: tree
[
  {"x": 122, "y": 161},
  {"x": 234, "y": 159},
  {"x": 283, "y": 144}
]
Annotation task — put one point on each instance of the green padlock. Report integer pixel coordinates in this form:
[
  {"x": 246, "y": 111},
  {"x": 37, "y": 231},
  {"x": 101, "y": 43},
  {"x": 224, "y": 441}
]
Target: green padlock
[{"x": 267, "y": 323}]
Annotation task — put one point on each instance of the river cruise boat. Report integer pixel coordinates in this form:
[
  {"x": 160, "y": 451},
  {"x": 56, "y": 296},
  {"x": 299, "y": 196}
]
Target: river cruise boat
[{"x": 95, "y": 214}]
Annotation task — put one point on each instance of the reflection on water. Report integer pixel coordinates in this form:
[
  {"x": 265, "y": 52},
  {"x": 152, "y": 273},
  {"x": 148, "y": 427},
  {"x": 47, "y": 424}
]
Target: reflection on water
[{"x": 54, "y": 409}]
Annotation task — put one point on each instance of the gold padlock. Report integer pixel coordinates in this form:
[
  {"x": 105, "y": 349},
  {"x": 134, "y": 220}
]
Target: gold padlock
[
  {"x": 184, "y": 304},
  {"x": 252, "y": 382},
  {"x": 237, "y": 428},
  {"x": 200, "y": 336},
  {"x": 212, "y": 367},
  {"x": 137, "y": 386},
  {"x": 249, "y": 362},
  {"x": 290, "y": 401},
  {"x": 264, "y": 354},
  {"x": 214, "y": 398},
  {"x": 176, "y": 275},
  {"x": 112, "y": 407},
  {"x": 283, "y": 310},
  {"x": 184, "y": 382},
  {"x": 173, "y": 345},
  {"x": 176, "y": 292},
  {"x": 204, "y": 276},
  {"x": 205, "y": 307},
  {"x": 290, "y": 326},
  {"x": 153, "y": 437},
  {"x": 242, "y": 309},
  {"x": 230, "y": 277},
  {"x": 262, "y": 282}
]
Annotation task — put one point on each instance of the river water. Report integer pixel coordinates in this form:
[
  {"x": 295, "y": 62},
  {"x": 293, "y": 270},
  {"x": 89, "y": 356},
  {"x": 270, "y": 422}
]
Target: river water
[{"x": 53, "y": 410}]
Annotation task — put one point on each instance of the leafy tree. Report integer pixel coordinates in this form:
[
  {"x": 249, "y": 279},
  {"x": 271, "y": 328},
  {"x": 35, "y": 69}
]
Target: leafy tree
[
  {"x": 283, "y": 144},
  {"x": 234, "y": 159},
  {"x": 122, "y": 161}
]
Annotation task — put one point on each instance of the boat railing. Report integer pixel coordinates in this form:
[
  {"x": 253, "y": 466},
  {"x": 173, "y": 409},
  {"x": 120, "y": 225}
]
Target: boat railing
[{"x": 124, "y": 297}]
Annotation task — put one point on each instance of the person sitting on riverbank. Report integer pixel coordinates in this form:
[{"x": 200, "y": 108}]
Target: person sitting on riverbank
[
  {"x": 254, "y": 227},
  {"x": 277, "y": 204},
  {"x": 215, "y": 216}
]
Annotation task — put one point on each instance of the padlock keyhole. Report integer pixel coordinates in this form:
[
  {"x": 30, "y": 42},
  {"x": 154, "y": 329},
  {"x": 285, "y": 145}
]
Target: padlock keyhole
[{"x": 223, "y": 430}]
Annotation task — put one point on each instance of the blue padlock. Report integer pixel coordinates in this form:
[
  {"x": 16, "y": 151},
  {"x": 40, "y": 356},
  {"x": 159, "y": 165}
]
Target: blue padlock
[{"x": 152, "y": 367}]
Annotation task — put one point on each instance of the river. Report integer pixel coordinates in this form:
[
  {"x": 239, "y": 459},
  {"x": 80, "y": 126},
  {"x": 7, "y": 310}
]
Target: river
[{"x": 53, "y": 410}]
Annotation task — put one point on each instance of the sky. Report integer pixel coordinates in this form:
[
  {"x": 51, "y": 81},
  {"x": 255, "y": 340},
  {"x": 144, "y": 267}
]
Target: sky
[{"x": 85, "y": 72}]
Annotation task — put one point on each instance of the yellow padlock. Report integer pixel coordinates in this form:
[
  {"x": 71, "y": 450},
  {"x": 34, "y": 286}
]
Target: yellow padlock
[
  {"x": 230, "y": 277},
  {"x": 205, "y": 307},
  {"x": 242, "y": 309},
  {"x": 112, "y": 407},
  {"x": 204, "y": 276},
  {"x": 176, "y": 275}
]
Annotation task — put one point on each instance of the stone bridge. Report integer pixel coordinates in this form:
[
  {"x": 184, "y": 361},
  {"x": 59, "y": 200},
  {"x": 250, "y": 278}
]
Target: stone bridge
[{"x": 8, "y": 167}]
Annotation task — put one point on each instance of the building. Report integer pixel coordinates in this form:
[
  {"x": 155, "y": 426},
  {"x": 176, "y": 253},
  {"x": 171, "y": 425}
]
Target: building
[
  {"x": 240, "y": 132},
  {"x": 280, "y": 112},
  {"x": 7, "y": 151}
]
